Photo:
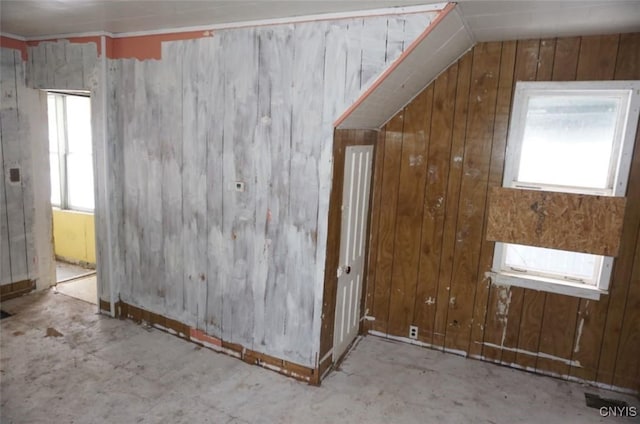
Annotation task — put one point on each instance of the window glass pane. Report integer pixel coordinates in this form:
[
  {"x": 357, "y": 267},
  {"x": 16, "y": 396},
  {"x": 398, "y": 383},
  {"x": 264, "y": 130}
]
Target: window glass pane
[
  {"x": 53, "y": 123},
  {"x": 55, "y": 179},
  {"x": 551, "y": 261},
  {"x": 568, "y": 140},
  {"x": 80, "y": 181},
  {"x": 79, "y": 124}
]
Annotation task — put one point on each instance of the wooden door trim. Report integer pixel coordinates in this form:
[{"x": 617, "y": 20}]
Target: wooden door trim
[{"x": 341, "y": 140}]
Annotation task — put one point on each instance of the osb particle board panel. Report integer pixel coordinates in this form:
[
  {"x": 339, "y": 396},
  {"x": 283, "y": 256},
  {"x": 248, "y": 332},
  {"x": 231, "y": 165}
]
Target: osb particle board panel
[{"x": 565, "y": 221}]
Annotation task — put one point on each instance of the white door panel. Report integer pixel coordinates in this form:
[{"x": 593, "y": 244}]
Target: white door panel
[{"x": 355, "y": 208}]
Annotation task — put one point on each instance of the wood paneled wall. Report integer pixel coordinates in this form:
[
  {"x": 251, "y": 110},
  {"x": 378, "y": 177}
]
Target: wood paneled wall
[
  {"x": 26, "y": 250},
  {"x": 428, "y": 257},
  {"x": 254, "y": 105}
]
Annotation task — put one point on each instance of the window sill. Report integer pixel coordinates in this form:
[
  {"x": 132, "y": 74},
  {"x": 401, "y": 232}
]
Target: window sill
[{"x": 547, "y": 285}]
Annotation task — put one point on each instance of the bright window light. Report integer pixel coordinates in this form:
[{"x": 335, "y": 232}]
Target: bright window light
[
  {"x": 574, "y": 137},
  {"x": 70, "y": 151}
]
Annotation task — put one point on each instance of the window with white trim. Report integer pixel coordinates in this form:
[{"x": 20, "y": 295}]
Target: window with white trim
[
  {"x": 575, "y": 137},
  {"x": 70, "y": 151}
]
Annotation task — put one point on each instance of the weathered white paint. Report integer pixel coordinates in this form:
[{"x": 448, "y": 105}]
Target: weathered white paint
[
  {"x": 254, "y": 105},
  {"x": 576, "y": 349},
  {"x": 535, "y": 354},
  {"x": 417, "y": 343},
  {"x": 434, "y": 50},
  {"x": 26, "y": 250}
]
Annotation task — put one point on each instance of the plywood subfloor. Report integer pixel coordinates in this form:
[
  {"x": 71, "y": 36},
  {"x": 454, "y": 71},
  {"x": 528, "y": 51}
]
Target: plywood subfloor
[{"x": 96, "y": 369}]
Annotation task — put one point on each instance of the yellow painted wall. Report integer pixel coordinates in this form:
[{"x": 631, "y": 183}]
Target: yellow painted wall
[{"x": 74, "y": 236}]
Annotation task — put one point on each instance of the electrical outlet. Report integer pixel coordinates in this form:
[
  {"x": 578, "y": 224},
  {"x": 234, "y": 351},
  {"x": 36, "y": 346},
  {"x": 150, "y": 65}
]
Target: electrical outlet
[{"x": 413, "y": 332}]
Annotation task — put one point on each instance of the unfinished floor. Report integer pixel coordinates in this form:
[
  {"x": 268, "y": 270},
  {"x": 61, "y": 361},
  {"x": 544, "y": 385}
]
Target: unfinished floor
[{"x": 62, "y": 362}]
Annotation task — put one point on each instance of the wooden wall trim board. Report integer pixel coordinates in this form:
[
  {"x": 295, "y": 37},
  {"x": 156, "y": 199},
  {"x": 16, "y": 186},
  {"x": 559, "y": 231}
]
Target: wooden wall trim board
[
  {"x": 342, "y": 139},
  {"x": 565, "y": 221},
  {"x": 9, "y": 291},
  {"x": 183, "y": 331},
  {"x": 456, "y": 307}
]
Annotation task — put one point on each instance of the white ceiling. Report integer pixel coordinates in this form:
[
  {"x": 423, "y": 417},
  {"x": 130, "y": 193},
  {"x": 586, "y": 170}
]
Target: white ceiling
[
  {"x": 510, "y": 20},
  {"x": 471, "y": 21},
  {"x": 478, "y": 20},
  {"x": 35, "y": 18}
]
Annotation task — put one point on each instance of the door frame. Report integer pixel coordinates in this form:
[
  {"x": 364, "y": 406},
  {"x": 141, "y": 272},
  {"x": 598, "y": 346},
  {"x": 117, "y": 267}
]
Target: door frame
[{"x": 341, "y": 140}]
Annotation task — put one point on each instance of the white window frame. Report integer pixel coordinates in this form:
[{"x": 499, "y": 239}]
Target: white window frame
[
  {"x": 625, "y": 132},
  {"x": 63, "y": 146}
]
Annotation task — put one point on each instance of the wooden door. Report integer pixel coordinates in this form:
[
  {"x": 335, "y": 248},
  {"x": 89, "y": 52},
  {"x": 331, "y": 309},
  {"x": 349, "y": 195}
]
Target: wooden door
[{"x": 350, "y": 272}]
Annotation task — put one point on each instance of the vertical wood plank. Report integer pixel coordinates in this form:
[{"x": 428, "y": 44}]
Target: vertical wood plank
[
  {"x": 12, "y": 151},
  {"x": 7, "y": 69},
  {"x": 527, "y": 55},
  {"x": 596, "y": 62},
  {"x": 413, "y": 170},
  {"x": 627, "y": 365},
  {"x": 374, "y": 225},
  {"x": 353, "y": 61},
  {"x": 374, "y": 51},
  {"x": 274, "y": 121},
  {"x": 434, "y": 201},
  {"x": 395, "y": 38},
  {"x": 131, "y": 178},
  {"x": 627, "y": 68},
  {"x": 560, "y": 311},
  {"x": 194, "y": 188},
  {"x": 34, "y": 161},
  {"x": 565, "y": 63},
  {"x": 308, "y": 143},
  {"x": 534, "y": 301},
  {"x": 473, "y": 188},
  {"x": 151, "y": 140},
  {"x": 5, "y": 254},
  {"x": 113, "y": 160},
  {"x": 501, "y": 124},
  {"x": 218, "y": 241},
  {"x": 241, "y": 93},
  {"x": 386, "y": 228},
  {"x": 453, "y": 197}
]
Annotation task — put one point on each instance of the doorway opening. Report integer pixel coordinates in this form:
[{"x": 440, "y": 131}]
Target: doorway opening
[
  {"x": 344, "y": 308},
  {"x": 72, "y": 193}
]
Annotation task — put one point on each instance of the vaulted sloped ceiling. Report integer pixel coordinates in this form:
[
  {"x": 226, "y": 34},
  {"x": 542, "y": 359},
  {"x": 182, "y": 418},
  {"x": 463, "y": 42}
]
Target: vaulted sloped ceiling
[{"x": 462, "y": 25}]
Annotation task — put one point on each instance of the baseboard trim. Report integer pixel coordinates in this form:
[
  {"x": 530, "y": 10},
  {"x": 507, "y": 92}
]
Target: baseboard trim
[
  {"x": 199, "y": 337},
  {"x": 10, "y": 291}
]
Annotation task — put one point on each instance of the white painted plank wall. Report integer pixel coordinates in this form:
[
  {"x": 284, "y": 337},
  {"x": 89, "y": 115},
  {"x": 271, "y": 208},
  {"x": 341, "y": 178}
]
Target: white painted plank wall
[
  {"x": 253, "y": 105},
  {"x": 23, "y": 145},
  {"x": 11, "y": 67},
  {"x": 5, "y": 254}
]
